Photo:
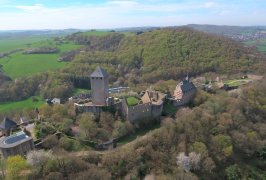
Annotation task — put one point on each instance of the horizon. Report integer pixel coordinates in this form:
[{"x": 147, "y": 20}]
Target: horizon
[
  {"x": 115, "y": 14},
  {"x": 121, "y": 28}
]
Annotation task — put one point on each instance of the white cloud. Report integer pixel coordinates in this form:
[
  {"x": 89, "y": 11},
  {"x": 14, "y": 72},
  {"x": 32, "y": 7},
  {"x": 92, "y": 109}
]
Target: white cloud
[
  {"x": 35, "y": 7},
  {"x": 209, "y": 4},
  {"x": 114, "y": 14}
]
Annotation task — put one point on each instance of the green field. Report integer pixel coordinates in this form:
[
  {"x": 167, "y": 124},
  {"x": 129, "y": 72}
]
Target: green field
[
  {"x": 132, "y": 101},
  {"x": 19, "y": 65},
  {"x": 10, "y": 43},
  {"x": 260, "y": 45},
  {"x": 20, "y": 105}
]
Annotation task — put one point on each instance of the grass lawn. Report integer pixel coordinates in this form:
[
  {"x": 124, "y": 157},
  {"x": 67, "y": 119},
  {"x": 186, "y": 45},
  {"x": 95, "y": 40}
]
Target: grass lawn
[
  {"x": 19, "y": 65},
  {"x": 236, "y": 82},
  {"x": 132, "y": 101},
  {"x": 81, "y": 91},
  {"x": 20, "y": 105}
]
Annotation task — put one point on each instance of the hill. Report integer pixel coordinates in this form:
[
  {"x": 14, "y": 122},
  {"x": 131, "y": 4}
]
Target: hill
[{"x": 165, "y": 54}]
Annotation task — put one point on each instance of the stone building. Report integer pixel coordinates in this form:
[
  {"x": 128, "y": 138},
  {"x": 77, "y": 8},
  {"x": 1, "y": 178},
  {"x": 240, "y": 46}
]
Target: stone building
[
  {"x": 100, "y": 93},
  {"x": 184, "y": 92},
  {"x": 16, "y": 144},
  {"x": 149, "y": 107},
  {"x": 99, "y": 87}
]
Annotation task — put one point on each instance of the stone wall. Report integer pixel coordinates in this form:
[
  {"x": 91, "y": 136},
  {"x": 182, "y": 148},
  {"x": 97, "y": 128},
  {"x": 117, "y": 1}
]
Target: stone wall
[
  {"x": 135, "y": 113},
  {"x": 157, "y": 111},
  {"x": 96, "y": 110},
  {"x": 21, "y": 149}
]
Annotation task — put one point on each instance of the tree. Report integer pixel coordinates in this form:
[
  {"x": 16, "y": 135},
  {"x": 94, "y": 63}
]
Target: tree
[
  {"x": 88, "y": 125},
  {"x": 2, "y": 167},
  {"x": 15, "y": 167},
  {"x": 222, "y": 144},
  {"x": 233, "y": 172},
  {"x": 119, "y": 129},
  {"x": 190, "y": 162},
  {"x": 38, "y": 157},
  {"x": 199, "y": 148}
]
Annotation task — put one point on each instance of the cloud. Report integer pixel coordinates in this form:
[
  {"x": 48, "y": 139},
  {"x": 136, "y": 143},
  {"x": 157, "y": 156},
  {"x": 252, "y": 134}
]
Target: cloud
[
  {"x": 35, "y": 7},
  {"x": 123, "y": 13},
  {"x": 210, "y": 4},
  {"x": 123, "y": 3}
]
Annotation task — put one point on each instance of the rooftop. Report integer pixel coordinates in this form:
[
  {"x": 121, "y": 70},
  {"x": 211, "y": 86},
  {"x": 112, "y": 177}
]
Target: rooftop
[
  {"x": 7, "y": 124},
  {"x": 186, "y": 85},
  {"x": 99, "y": 72},
  {"x": 14, "y": 140}
]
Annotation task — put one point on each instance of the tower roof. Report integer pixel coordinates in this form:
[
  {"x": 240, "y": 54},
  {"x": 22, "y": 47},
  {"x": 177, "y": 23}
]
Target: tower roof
[
  {"x": 99, "y": 72},
  {"x": 7, "y": 124}
]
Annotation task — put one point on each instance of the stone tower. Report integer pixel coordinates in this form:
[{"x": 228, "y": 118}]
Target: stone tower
[{"x": 99, "y": 86}]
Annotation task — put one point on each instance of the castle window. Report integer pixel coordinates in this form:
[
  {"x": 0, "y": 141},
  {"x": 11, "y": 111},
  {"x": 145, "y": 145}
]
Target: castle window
[
  {"x": 92, "y": 78},
  {"x": 101, "y": 78}
]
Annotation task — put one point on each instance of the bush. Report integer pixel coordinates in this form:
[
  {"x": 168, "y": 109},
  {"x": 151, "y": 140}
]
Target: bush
[
  {"x": 69, "y": 144},
  {"x": 233, "y": 173}
]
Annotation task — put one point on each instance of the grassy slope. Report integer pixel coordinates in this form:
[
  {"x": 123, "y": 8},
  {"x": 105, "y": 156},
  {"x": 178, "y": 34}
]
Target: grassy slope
[
  {"x": 28, "y": 103},
  {"x": 18, "y": 64}
]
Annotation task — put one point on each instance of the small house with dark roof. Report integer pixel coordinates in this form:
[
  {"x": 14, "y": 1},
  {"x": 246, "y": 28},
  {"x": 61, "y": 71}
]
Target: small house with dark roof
[
  {"x": 184, "y": 92},
  {"x": 16, "y": 144},
  {"x": 7, "y": 125},
  {"x": 24, "y": 121}
]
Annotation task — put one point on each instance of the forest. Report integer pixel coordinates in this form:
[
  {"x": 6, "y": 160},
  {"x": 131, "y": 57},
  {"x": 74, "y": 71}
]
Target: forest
[{"x": 218, "y": 136}]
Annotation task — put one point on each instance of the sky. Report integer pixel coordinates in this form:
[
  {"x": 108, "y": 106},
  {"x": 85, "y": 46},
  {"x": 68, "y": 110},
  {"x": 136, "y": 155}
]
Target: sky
[{"x": 103, "y": 14}]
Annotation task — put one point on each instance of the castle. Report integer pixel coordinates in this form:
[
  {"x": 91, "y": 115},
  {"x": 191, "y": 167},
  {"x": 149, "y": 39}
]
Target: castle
[{"x": 149, "y": 106}]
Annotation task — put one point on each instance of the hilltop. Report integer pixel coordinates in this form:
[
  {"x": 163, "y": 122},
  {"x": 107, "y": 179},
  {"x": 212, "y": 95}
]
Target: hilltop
[{"x": 165, "y": 54}]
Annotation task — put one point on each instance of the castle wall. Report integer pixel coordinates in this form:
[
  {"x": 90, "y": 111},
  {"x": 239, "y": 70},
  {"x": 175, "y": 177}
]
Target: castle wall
[
  {"x": 157, "y": 111},
  {"x": 96, "y": 110},
  {"x": 135, "y": 113}
]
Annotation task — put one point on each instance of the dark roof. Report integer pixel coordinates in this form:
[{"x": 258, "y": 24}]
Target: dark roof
[
  {"x": 187, "y": 86},
  {"x": 15, "y": 138},
  {"x": 99, "y": 72},
  {"x": 7, "y": 124}
]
